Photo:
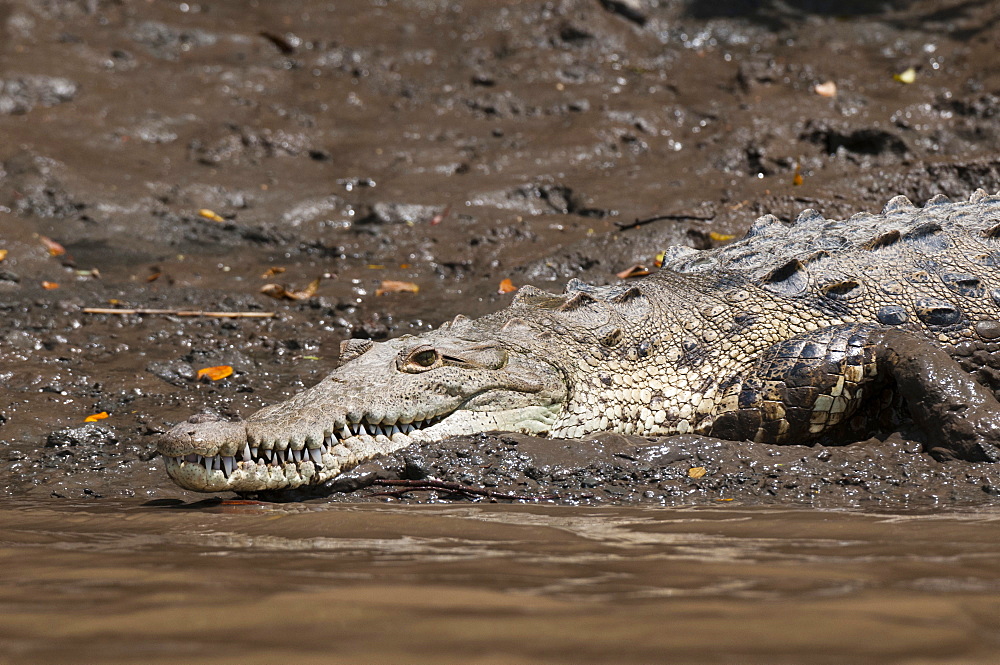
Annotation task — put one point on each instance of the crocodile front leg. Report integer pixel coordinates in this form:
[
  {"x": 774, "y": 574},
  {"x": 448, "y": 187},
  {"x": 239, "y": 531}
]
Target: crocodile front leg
[{"x": 811, "y": 385}]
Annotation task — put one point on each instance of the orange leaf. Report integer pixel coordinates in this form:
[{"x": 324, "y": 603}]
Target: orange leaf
[
  {"x": 392, "y": 286},
  {"x": 715, "y": 236},
  {"x": 153, "y": 277},
  {"x": 278, "y": 291},
  {"x": 272, "y": 271},
  {"x": 210, "y": 214},
  {"x": 3, "y": 254},
  {"x": 828, "y": 89},
  {"x": 95, "y": 417},
  {"x": 638, "y": 270},
  {"x": 697, "y": 472},
  {"x": 50, "y": 285},
  {"x": 215, "y": 373},
  {"x": 797, "y": 179},
  {"x": 506, "y": 286},
  {"x": 55, "y": 249}
]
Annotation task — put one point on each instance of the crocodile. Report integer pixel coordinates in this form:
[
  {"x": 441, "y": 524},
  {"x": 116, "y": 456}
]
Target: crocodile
[{"x": 818, "y": 330}]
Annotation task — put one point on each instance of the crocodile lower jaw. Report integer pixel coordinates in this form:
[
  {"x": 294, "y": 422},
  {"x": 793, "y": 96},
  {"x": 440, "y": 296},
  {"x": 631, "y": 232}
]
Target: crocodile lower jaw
[
  {"x": 279, "y": 467},
  {"x": 297, "y": 462}
]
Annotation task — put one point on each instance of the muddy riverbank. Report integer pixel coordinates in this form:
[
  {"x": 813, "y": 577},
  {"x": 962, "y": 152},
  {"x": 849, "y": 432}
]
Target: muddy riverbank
[{"x": 184, "y": 156}]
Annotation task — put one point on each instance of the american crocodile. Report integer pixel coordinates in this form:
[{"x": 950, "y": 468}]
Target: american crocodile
[{"x": 821, "y": 330}]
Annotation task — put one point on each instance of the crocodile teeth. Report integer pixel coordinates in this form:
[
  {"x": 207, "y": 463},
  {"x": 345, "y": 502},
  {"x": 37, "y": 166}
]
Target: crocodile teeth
[
  {"x": 344, "y": 433},
  {"x": 297, "y": 455},
  {"x": 393, "y": 431},
  {"x": 228, "y": 463},
  {"x": 316, "y": 456},
  {"x": 247, "y": 455}
]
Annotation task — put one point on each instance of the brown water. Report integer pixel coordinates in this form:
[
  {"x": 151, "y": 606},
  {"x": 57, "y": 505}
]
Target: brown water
[{"x": 495, "y": 584}]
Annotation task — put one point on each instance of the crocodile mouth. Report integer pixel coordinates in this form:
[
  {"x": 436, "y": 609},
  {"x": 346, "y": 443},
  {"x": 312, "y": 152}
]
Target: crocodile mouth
[{"x": 290, "y": 463}]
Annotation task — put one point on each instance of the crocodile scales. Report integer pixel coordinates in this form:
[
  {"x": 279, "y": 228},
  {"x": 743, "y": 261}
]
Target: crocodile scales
[{"x": 820, "y": 330}]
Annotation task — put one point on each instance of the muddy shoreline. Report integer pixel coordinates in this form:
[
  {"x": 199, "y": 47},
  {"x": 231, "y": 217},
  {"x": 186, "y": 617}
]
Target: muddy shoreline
[{"x": 182, "y": 156}]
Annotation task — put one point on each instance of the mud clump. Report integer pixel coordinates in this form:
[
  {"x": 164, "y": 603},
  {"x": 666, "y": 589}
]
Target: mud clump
[
  {"x": 615, "y": 469},
  {"x": 447, "y": 146}
]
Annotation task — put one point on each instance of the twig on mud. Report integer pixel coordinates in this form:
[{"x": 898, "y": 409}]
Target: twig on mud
[
  {"x": 649, "y": 220},
  {"x": 454, "y": 488},
  {"x": 180, "y": 312}
]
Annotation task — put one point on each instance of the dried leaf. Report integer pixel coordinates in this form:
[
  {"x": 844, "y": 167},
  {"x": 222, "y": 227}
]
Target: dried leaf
[
  {"x": 280, "y": 292},
  {"x": 697, "y": 472},
  {"x": 210, "y": 214},
  {"x": 54, "y": 248},
  {"x": 715, "y": 236},
  {"x": 95, "y": 417},
  {"x": 797, "y": 179},
  {"x": 506, "y": 286},
  {"x": 215, "y": 373},
  {"x": 638, "y": 270},
  {"x": 153, "y": 277},
  {"x": 438, "y": 218},
  {"x": 658, "y": 261},
  {"x": 93, "y": 272},
  {"x": 392, "y": 286},
  {"x": 272, "y": 271},
  {"x": 908, "y": 76},
  {"x": 827, "y": 89},
  {"x": 3, "y": 254},
  {"x": 48, "y": 286}
]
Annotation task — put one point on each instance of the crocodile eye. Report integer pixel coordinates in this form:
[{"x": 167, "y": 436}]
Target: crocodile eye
[
  {"x": 424, "y": 358},
  {"x": 420, "y": 359}
]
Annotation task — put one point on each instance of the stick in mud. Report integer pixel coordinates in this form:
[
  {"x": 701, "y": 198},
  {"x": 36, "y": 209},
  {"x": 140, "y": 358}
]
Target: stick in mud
[{"x": 180, "y": 312}]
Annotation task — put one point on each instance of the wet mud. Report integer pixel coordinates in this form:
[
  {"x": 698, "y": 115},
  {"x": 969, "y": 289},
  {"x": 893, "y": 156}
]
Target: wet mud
[{"x": 183, "y": 156}]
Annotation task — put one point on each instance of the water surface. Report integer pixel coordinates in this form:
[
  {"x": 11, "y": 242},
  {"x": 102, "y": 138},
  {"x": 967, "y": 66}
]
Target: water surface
[{"x": 336, "y": 583}]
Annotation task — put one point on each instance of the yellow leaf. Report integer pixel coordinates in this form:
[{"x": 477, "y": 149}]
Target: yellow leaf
[
  {"x": 215, "y": 373},
  {"x": 697, "y": 472},
  {"x": 908, "y": 76},
  {"x": 3, "y": 254},
  {"x": 95, "y": 417},
  {"x": 392, "y": 286},
  {"x": 210, "y": 214},
  {"x": 797, "y": 179},
  {"x": 715, "y": 236},
  {"x": 658, "y": 261}
]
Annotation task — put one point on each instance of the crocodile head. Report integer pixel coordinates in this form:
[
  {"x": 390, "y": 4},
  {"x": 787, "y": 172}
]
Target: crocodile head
[{"x": 383, "y": 397}]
